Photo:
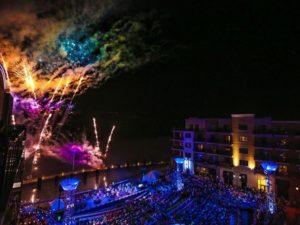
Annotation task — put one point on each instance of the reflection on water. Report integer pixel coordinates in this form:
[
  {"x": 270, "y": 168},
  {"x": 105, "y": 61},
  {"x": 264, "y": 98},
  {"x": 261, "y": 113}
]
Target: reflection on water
[{"x": 50, "y": 188}]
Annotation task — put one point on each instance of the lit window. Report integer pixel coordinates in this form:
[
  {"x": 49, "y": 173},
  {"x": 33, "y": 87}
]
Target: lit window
[
  {"x": 283, "y": 142},
  {"x": 243, "y": 138},
  {"x": 282, "y": 169},
  {"x": 262, "y": 184},
  {"x": 200, "y": 146}
]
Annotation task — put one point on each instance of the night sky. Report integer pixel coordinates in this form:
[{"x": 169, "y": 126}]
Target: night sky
[
  {"x": 238, "y": 57},
  {"x": 146, "y": 65}
]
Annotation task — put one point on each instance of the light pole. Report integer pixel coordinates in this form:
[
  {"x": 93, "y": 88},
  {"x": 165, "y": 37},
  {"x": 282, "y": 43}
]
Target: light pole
[
  {"x": 69, "y": 186},
  {"x": 270, "y": 167}
]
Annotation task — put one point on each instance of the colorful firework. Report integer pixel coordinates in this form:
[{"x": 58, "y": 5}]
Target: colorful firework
[
  {"x": 96, "y": 135},
  {"x": 52, "y": 59},
  {"x": 109, "y": 140}
]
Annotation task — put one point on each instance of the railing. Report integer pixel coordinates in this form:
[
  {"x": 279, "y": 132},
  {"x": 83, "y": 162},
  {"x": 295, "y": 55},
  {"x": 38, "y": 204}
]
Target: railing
[
  {"x": 219, "y": 140},
  {"x": 213, "y": 162},
  {"x": 272, "y": 158},
  {"x": 276, "y": 131},
  {"x": 177, "y": 138},
  {"x": 177, "y": 147},
  {"x": 219, "y": 129},
  {"x": 274, "y": 145},
  {"x": 215, "y": 151}
]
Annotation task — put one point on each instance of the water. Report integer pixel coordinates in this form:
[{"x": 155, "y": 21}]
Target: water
[{"x": 50, "y": 189}]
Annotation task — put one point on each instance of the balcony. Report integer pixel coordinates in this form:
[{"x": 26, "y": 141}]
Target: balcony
[
  {"x": 215, "y": 151},
  {"x": 263, "y": 130},
  {"x": 207, "y": 161},
  {"x": 219, "y": 140},
  {"x": 177, "y": 147},
  {"x": 273, "y": 158},
  {"x": 199, "y": 137},
  {"x": 224, "y": 129},
  {"x": 273, "y": 143}
]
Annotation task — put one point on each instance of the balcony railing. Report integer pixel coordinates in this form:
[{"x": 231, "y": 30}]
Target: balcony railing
[
  {"x": 214, "y": 162},
  {"x": 177, "y": 147},
  {"x": 276, "y": 131},
  {"x": 272, "y": 158},
  {"x": 215, "y": 151},
  {"x": 219, "y": 141},
  {"x": 274, "y": 145},
  {"x": 220, "y": 129}
]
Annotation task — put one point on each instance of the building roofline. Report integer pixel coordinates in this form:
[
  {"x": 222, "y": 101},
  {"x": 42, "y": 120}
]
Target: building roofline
[
  {"x": 286, "y": 121},
  {"x": 243, "y": 115}
]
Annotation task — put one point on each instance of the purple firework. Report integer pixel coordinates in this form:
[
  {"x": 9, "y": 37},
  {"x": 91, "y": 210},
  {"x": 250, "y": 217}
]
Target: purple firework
[{"x": 75, "y": 152}]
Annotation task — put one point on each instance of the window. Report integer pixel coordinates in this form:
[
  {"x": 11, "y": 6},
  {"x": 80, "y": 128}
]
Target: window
[
  {"x": 243, "y": 162},
  {"x": 283, "y": 142},
  {"x": 244, "y": 150},
  {"x": 188, "y": 135},
  {"x": 187, "y": 155},
  {"x": 282, "y": 169},
  {"x": 228, "y": 138},
  {"x": 243, "y": 138},
  {"x": 243, "y": 127},
  {"x": 262, "y": 185},
  {"x": 188, "y": 144},
  {"x": 200, "y": 146}
]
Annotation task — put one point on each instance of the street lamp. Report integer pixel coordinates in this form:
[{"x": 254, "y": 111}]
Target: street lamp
[
  {"x": 270, "y": 167},
  {"x": 69, "y": 186}
]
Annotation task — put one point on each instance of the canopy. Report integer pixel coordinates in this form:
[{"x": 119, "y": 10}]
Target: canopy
[
  {"x": 151, "y": 177},
  {"x": 70, "y": 184},
  {"x": 269, "y": 166}
]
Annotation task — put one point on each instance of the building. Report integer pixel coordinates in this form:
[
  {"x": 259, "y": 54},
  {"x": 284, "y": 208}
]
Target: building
[
  {"x": 232, "y": 149},
  {"x": 12, "y": 139}
]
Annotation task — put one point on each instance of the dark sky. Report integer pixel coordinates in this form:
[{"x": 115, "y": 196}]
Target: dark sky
[{"x": 238, "y": 57}]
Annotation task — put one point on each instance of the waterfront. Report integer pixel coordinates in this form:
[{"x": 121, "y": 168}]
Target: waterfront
[{"x": 89, "y": 180}]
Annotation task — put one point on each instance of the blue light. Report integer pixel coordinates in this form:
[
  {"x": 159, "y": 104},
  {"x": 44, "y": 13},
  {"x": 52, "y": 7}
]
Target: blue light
[
  {"x": 179, "y": 160},
  {"x": 269, "y": 166},
  {"x": 79, "y": 49},
  {"x": 70, "y": 184},
  {"x": 57, "y": 205}
]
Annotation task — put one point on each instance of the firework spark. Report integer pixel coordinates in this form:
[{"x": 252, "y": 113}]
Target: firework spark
[
  {"x": 29, "y": 80},
  {"x": 96, "y": 135},
  {"x": 109, "y": 140},
  {"x": 77, "y": 88},
  {"x": 6, "y": 71},
  {"x": 48, "y": 63},
  {"x": 42, "y": 135}
]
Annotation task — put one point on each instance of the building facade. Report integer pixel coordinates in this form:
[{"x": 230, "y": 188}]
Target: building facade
[
  {"x": 232, "y": 149},
  {"x": 12, "y": 140}
]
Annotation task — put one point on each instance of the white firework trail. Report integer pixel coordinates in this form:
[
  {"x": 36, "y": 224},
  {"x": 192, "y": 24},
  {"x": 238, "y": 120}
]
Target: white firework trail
[
  {"x": 96, "y": 136},
  {"x": 109, "y": 140},
  {"x": 37, "y": 147}
]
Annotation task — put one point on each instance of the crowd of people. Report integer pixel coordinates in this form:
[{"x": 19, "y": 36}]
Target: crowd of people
[
  {"x": 94, "y": 199},
  {"x": 202, "y": 200}
]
